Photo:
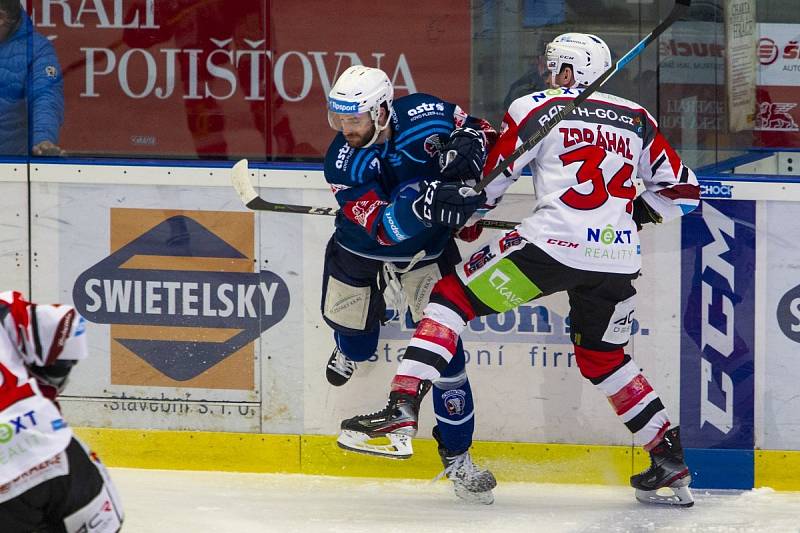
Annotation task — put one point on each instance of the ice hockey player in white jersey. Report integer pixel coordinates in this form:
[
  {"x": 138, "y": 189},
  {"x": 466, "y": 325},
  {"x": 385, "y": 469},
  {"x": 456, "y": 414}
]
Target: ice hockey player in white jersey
[
  {"x": 49, "y": 481},
  {"x": 582, "y": 239}
]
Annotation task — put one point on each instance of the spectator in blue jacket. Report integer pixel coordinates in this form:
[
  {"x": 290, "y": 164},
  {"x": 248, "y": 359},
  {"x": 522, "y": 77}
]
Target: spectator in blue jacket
[{"x": 30, "y": 86}]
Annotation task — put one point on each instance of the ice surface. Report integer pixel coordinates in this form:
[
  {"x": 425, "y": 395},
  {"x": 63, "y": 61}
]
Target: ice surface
[{"x": 179, "y": 501}]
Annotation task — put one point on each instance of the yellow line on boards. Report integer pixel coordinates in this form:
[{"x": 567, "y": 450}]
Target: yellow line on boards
[
  {"x": 319, "y": 455},
  {"x": 194, "y": 450},
  {"x": 777, "y": 469}
]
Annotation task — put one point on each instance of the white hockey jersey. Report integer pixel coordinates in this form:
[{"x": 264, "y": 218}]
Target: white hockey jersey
[
  {"x": 32, "y": 430},
  {"x": 583, "y": 177}
]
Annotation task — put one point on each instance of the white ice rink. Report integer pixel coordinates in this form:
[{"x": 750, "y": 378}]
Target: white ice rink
[{"x": 158, "y": 501}]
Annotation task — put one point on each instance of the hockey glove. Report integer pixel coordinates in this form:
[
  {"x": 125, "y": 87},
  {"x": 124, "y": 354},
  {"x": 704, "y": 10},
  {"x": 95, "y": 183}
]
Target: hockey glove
[
  {"x": 463, "y": 154},
  {"x": 644, "y": 214},
  {"x": 447, "y": 204},
  {"x": 54, "y": 375}
]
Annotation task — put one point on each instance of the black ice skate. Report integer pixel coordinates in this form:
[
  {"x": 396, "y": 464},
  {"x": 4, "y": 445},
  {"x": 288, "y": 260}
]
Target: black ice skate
[
  {"x": 340, "y": 369},
  {"x": 470, "y": 482},
  {"x": 397, "y": 422},
  {"x": 667, "y": 471}
]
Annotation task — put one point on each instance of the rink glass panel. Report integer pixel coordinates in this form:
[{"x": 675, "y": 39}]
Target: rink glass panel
[{"x": 217, "y": 79}]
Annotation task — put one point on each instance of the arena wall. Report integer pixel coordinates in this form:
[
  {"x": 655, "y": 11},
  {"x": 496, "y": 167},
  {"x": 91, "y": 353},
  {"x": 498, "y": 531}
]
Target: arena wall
[{"x": 208, "y": 350}]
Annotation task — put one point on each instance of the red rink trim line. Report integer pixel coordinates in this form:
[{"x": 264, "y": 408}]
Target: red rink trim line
[
  {"x": 593, "y": 363},
  {"x": 434, "y": 332},
  {"x": 449, "y": 288},
  {"x": 631, "y": 394},
  {"x": 405, "y": 384}
]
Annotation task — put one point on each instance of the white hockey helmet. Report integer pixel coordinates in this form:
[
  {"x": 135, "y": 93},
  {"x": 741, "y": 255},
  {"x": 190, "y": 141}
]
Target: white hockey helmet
[
  {"x": 587, "y": 54},
  {"x": 360, "y": 91}
]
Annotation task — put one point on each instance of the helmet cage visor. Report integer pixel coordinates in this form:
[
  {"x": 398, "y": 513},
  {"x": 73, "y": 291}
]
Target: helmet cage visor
[{"x": 338, "y": 121}]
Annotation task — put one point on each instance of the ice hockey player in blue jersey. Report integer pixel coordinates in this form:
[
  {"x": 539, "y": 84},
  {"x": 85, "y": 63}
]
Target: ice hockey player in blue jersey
[{"x": 384, "y": 154}]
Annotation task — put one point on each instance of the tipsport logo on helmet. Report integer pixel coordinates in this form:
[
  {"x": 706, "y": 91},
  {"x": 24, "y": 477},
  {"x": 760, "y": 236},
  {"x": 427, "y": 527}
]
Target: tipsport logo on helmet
[
  {"x": 341, "y": 106},
  {"x": 181, "y": 297}
]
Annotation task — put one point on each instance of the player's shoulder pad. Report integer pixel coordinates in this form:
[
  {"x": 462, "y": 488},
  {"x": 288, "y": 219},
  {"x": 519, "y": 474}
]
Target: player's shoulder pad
[
  {"x": 345, "y": 165},
  {"x": 420, "y": 107}
]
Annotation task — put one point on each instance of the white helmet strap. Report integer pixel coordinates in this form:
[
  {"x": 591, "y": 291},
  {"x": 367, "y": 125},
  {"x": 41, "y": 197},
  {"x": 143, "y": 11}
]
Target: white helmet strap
[{"x": 376, "y": 118}]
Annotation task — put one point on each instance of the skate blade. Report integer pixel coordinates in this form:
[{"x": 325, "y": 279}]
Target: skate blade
[
  {"x": 399, "y": 446},
  {"x": 680, "y": 496},
  {"x": 484, "y": 498}
]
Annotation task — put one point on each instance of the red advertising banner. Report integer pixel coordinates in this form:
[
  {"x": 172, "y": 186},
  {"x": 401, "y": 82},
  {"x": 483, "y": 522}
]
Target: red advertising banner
[
  {"x": 692, "y": 87},
  {"x": 215, "y": 78},
  {"x": 778, "y": 118}
]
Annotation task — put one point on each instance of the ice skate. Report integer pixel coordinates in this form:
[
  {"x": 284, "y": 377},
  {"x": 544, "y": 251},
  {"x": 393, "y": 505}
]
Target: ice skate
[
  {"x": 396, "y": 422},
  {"x": 667, "y": 473},
  {"x": 340, "y": 369},
  {"x": 470, "y": 482}
]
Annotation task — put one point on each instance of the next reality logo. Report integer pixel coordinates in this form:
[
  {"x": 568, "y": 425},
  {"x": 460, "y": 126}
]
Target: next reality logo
[
  {"x": 181, "y": 295},
  {"x": 715, "y": 189}
]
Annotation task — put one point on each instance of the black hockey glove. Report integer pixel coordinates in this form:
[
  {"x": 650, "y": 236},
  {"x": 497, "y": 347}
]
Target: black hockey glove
[
  {"x": 644, "y": 214},
  {"x": 54, "y": 375},
  {"x": 463, "y": 154},
  {"x": 447, "y": 204}
]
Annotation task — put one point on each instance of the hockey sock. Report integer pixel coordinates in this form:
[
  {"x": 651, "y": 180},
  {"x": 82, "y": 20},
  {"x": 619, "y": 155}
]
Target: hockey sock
[
  {"x": 433, "y": 345},
  {"x": 630, "y": 394},
  {"x": 357, "y": 347},
  {"x": 434, "y": 342},
  {"x": 453, "y": 405}
]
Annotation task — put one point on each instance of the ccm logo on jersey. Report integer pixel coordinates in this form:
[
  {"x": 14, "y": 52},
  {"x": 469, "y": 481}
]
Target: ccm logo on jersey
[
  {"x": 565, "y": 244},
  {"x": 425, "y": 108}
]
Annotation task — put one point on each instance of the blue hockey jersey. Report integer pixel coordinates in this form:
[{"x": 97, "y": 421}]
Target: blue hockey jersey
[{"x": 375, "y": 186}]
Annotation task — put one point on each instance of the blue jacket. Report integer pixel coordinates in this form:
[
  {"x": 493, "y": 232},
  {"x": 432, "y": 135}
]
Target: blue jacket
[
  {"x": 30, "y": 76},
  {"x": 376, "y": 186}
]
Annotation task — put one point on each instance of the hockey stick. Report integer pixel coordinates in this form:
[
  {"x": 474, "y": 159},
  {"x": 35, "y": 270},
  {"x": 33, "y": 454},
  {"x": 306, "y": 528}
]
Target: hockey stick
[
  {"x": 240, "y": 177},
  {"x": 680, "y": 8}
]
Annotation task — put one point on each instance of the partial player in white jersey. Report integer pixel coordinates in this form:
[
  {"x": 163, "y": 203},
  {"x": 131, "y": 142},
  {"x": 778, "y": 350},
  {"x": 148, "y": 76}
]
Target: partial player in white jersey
[
  {"x": 582, "y": 239},
  {"x": 49, "y": 481}
]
